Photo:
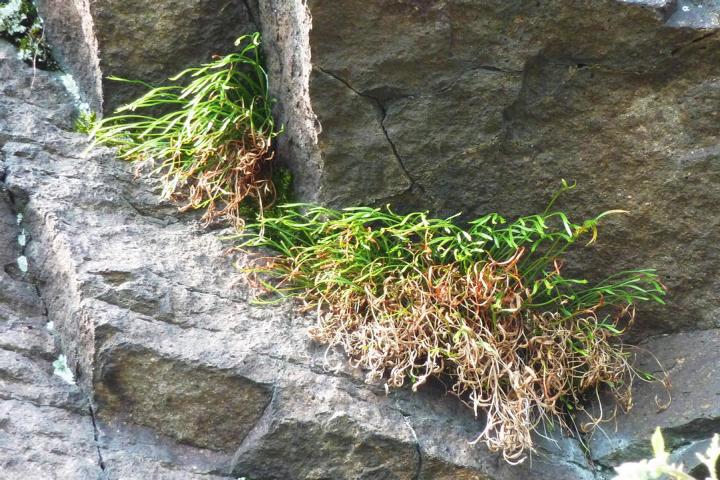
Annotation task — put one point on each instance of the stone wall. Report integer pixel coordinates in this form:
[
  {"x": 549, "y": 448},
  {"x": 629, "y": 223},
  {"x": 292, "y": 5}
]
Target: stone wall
[
  {"x": 466, "y": 106},
  {"x": 136, "y": 40},
  {"x": 446, "y": 105},
  {"x": 179, "y": 375}
]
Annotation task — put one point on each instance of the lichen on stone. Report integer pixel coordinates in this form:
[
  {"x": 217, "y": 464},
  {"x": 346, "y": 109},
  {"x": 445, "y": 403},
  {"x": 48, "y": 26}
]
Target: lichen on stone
[
  {"x": 61, "y": 369},
  {"x": 22, "y": 263}
]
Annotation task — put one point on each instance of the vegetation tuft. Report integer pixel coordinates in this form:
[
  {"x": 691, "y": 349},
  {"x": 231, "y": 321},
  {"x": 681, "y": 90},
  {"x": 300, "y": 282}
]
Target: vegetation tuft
[
  {"x": 21, "y": 25},
  {"x": 660, "y": 467},
  {"x": 85, "y": 121},
  {"x": 211, "y": 143},
  {"x": 484, "y": 306}
]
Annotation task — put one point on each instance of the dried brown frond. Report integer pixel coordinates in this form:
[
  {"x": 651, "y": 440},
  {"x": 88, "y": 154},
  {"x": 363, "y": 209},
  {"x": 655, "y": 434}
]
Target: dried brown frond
[
  {"x": 516, "y": 367},
  {"x": 486, "y": 309}
]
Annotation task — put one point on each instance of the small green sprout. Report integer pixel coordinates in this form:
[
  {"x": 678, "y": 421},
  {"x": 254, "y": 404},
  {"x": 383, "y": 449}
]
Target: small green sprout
[{"x": 659, "y": 466}]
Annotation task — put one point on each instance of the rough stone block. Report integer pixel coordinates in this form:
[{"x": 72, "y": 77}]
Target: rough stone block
[
  {"x": 135, "y": 40},
  {"x": 466, "y": 106},
  {"x": 688, "y": 421}
]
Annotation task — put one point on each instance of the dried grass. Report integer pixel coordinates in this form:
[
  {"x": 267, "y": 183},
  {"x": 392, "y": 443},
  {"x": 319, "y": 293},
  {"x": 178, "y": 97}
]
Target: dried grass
[
  {"x": 485, "y": 307},
  {"x": 211, "y": 141}
]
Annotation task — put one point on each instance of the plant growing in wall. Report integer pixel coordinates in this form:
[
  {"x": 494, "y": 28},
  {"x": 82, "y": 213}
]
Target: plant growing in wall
[
  {"x": 660, "y": 467},
  {"x": 485, "y": 306},
  {"x": 21, "y": 25},
  {"x": 211, "y": 141}
]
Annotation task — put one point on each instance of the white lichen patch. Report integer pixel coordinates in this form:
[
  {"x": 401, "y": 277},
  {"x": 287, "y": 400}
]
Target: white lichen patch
[
  {"x": 22, "y": 238},
  {"x": 74, "y": 90},
  {"x": 62, "y": 370},
  {"x": 22, "y": 263},
  {"x": 11, "y": 17}
]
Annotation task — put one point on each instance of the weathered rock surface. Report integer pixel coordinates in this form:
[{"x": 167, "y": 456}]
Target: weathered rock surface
[
  {"x": 688, "y": 422},
  {"x": 47, "y": 429},
  {"x": 45, "y": 425},
  {"x": 456, "y": 105},
  {"x": 129, "y": 39},
  {"x": 187, "y": 377},
  {"x": 447, "y": 105},
  {"x": 459, "y": 105}
]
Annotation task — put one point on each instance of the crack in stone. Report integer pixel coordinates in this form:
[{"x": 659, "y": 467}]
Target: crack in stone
[
  {"x": 96, "y": 437},
  {"x": 15, "y": 210},
  {"x": 145, "y": 214},
  {"x": 383, "y": 113},
  {"x": 418, "y": 447},
  {"x": 488, "y": 68},
  {"x": 13, "y": 398},
  {"x": 200, "y": 291},
  {"x": 156, "y": 319},
  {"x": 23, "y": 251},
  {"x": 261, "y": 420},
  {"x": 692, "y": 42},
  {"x": 318, "y": 369}
]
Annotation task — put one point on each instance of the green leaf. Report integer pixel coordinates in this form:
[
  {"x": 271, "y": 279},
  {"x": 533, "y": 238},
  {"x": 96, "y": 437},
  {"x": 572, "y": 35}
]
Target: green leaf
[{"x": 658, "y": 444}]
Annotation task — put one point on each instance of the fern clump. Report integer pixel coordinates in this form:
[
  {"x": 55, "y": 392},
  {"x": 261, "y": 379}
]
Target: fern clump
[
  {"x": 208, "y": 134},
  {"x": 485, "y": 306}
]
